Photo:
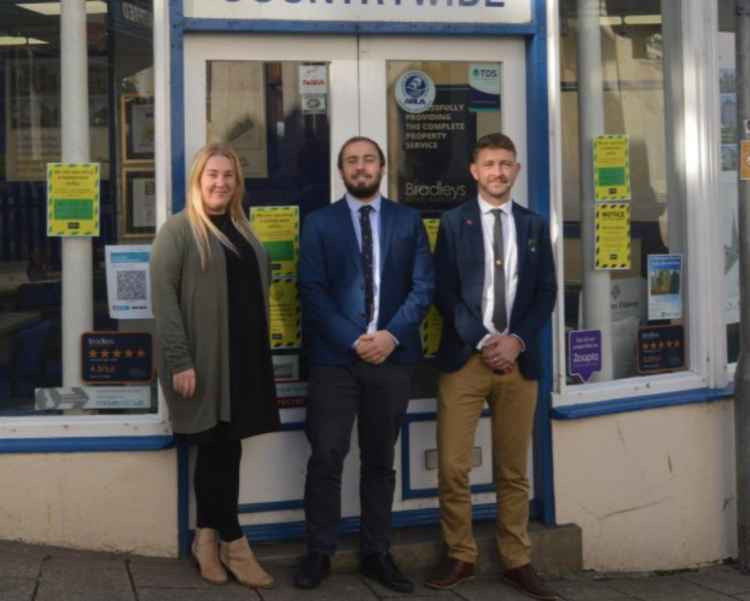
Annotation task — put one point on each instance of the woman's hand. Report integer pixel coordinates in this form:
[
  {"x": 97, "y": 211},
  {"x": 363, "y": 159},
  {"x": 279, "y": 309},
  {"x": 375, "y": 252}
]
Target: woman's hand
[{"x": 184, "y": 383}]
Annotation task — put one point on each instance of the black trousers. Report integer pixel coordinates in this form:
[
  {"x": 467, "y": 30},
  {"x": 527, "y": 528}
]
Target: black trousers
[
  {"x": 217, "y": 487},
  {"x": 378, "y": 396}
]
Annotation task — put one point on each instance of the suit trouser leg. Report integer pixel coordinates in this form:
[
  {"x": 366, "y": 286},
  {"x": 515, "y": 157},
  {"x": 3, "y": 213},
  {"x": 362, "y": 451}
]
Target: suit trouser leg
[
  {"x": 332, "y": 404},
  {"x": 385, "y": 396},
  {"x": 513, "y": 403},
  {"x": 461, "y": 396}
]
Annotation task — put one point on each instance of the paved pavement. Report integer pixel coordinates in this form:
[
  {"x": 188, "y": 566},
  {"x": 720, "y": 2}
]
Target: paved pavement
[{"x": 34, "y": 573}]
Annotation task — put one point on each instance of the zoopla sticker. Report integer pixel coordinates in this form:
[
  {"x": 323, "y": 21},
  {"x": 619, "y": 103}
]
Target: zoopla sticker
[{"x": 415, "y": 91}]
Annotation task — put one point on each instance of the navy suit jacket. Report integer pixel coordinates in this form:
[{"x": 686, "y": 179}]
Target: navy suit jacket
[
  {"x": 459, "y": 265},
  {"x": 332, "y": 285}
]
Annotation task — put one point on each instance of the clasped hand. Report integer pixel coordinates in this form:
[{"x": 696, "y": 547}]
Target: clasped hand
[
  {"x": 500, "y": 352},
  {"x": 376, "y": 347}
]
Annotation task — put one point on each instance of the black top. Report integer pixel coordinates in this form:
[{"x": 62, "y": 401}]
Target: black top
[{"x": 252, "y": 390}]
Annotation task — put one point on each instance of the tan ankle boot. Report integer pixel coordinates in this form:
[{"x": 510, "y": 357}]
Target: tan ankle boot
[
  {"x": 206, "y": 552},
  {"x": 239, "y": 559}
]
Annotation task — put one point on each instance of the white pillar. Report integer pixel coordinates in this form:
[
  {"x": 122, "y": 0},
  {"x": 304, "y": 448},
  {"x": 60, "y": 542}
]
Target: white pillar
[
  {"x": 77, "y": 268},
  {"x": 596, "y": 285}
]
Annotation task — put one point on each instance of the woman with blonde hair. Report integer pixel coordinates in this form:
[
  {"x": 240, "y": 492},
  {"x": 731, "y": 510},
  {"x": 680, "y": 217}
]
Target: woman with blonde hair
[{"x": 210, "y": 279}]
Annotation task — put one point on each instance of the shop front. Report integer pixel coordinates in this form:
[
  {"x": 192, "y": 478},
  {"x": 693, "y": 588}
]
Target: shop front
[{"x": 622, "y": 114}]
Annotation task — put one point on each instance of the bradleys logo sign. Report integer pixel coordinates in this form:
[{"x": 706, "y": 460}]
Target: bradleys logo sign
[{"x": 413, "y": 11}]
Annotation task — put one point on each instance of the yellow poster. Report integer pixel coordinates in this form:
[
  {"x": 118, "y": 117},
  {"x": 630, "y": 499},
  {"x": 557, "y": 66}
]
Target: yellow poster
[
  {"x": 431, "y": 226},
  {"x": 285, "y": 328},
  {"x": 431, "y": 330},
  {"x": 745, "y": 160},
  {"x": 278, "y": 230},
  {"x": 612, "y": 168},
  {"x": 612, "y": 248},
  {"x": 73, "y": 199}
]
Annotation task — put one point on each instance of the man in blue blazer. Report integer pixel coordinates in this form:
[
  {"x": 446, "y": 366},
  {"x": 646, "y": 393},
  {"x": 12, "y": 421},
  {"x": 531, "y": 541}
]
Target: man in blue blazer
[
  {"x": 366, "y": 281},
  {"x": 496, "y": 288}
]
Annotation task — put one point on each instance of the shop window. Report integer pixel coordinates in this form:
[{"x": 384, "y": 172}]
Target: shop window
[
  {"x": 120, "y": 90},
  {"x": 627, "y": 279}
]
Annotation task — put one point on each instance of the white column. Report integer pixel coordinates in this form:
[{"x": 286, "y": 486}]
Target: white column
[
  {"x": 77, "y": 268},
  {"x": 596, "y": 286}
]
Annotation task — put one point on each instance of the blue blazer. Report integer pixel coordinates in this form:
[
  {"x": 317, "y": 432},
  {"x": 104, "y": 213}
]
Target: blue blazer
[
  {"x": 332, "y": 285},
  {"x": 459, "y": 265}
]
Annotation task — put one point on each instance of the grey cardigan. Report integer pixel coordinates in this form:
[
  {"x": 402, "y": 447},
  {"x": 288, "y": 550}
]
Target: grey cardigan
[{"x": 191, "y": 310}]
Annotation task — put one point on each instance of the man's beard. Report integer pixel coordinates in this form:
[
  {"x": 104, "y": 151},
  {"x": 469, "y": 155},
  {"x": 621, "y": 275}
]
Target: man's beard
[{"x": 364, "y": 190}]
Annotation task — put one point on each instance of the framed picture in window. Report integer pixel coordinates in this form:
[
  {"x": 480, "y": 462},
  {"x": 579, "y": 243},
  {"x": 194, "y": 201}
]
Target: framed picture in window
[
  {"x": 137, "y": 128},
  {"x": 140, "y": 201}
]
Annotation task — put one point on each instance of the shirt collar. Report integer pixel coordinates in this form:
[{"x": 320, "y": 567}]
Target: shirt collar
[
  {"x": 355, "y": 204},
  {"x": 485, "y": 207}
]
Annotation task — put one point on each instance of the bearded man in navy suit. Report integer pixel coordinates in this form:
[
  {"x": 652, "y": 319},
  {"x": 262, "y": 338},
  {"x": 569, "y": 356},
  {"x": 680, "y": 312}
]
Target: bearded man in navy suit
[
  {"x": 366, "y": 281},
  {"x": 496, "y": 288}
]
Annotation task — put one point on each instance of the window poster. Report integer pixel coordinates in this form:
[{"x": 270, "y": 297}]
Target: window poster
[
  {"x": 285, "y": 326},
  {"x": 73, "y": 199},
  {"x": 664, "y": 287},
  {"x": 612, "y": 168},
  {"x": 435, "y": 146},
  {"x": 612, "y": 237},
  {"x": 278, "y": 230},
  {"x": 128, "y": 282}
]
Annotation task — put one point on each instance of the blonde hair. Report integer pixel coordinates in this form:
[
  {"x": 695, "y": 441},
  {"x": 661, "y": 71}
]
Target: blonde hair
[{"x": 200, "y": 223}]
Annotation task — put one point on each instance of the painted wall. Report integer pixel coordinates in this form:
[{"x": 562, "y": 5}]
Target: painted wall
[
  {"x": 100, "y": 501},
  {"x": 651, "y": 489}
]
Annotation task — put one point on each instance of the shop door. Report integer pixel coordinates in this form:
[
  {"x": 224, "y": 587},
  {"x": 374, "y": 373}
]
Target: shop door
[{"x": 287, "y": 103}]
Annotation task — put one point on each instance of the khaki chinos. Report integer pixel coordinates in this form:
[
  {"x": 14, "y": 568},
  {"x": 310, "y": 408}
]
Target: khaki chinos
[{"x": 512, "y": 400}]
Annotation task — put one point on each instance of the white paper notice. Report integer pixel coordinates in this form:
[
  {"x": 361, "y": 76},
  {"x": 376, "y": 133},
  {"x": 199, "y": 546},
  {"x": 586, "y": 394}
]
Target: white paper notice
[{"x": 128, "y": 283}]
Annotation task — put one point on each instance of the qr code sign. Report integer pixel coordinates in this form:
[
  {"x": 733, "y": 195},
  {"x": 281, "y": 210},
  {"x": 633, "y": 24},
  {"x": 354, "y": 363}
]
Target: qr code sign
[{"x": 131, "y": 285}]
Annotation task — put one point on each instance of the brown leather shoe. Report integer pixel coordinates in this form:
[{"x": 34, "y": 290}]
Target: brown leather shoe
[
  {"x": 451, "y": 572},
  {"x": 526, "y": 580}
]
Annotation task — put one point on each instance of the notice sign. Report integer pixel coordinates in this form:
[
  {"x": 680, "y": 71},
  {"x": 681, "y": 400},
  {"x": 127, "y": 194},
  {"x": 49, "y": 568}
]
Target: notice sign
[
  {"x": 661, "y": 348},
  {"x": 72, "y": 199},
  {"x": 611, "y": 168},
  {"x": 584, "y": 353},
  {"x": 116, "y": 357},
  {"x": 612, "y": 241},
  {"x": 278, "y": 230},
  {"x": 285, "y": 328},
  {"x": 128, "y": 282}
]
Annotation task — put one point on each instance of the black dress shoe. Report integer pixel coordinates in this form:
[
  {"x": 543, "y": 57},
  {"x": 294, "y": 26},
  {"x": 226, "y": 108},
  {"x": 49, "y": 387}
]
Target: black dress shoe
[
  {"x": 314, "y": 568},
  {"x": 382, "y": 568}
]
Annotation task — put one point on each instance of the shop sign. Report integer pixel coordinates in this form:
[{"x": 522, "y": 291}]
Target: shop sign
[
  {"x": 73, "y": 199},
  {"x": 116, "y": 357},
  {"x": 661, "y": 348},
  {"x": 410, "y": 11},
  {"x": 584, "y": 353}
]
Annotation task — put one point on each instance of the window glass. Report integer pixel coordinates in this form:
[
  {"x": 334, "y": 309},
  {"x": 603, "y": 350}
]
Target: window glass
[
  {"x": 728, "y": 178},
  {"x": 120, "y": 89},
  {"x": 636, "y": 280}
]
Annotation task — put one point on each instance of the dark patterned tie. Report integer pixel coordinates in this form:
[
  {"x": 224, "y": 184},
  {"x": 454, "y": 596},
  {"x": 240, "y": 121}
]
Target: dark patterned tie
[
  {"x": 367, "y": 252},
  {"x": 499, "y": 311}
]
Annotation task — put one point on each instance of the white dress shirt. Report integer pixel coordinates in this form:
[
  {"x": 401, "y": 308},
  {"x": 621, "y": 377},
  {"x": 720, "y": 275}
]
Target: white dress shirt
[{"x": 510, "y": 262}]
